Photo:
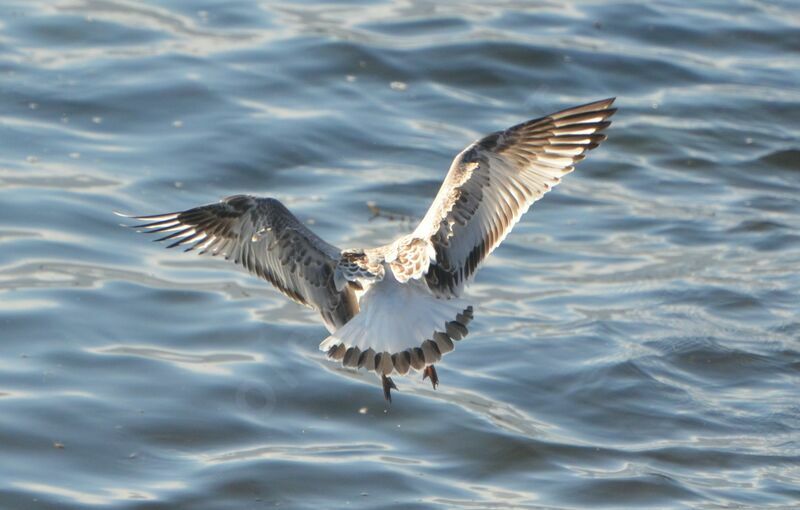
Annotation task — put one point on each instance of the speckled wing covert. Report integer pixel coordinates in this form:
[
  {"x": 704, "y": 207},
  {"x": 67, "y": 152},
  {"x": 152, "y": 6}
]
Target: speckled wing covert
[
  {"x": 264, "y": 237},
  {"x": 398, "y": 307},
  {"x": 494, "y": 181}
]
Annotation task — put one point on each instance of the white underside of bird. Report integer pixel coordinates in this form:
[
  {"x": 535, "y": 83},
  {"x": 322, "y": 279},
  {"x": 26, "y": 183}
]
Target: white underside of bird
[
  {"x": 400, "y": 306},
  {"x": 395, "y": 317}
]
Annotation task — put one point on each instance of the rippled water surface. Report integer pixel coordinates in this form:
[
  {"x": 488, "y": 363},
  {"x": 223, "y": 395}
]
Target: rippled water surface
[{"x": 637, "y": 337}]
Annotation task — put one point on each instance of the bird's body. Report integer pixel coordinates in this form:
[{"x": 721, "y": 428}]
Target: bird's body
[{"x": 400, "y": 306}]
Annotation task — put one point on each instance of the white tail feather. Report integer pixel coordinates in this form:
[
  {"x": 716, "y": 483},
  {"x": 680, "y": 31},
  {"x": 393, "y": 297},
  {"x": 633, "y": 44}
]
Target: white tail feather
[{"x": 395, "y": 317}]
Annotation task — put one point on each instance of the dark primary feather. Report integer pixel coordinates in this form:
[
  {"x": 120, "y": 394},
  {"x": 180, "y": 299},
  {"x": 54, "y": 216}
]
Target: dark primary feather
[
  {"x": 262, "y": 235},
  {"x": 495, "y": 180}
]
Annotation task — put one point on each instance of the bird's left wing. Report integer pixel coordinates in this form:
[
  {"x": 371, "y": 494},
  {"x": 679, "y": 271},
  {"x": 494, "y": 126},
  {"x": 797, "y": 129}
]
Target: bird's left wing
[
  {"x": 493, "y": 182},
  {"x": 264, "y": 237}
]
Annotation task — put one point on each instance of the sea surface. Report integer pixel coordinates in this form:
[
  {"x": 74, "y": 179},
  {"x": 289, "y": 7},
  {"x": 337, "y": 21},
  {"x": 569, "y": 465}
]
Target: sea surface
[{"x": 636, "y": 341}]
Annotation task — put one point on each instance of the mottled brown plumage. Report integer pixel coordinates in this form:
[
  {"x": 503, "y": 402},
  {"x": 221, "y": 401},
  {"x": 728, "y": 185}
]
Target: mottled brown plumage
[{"x": 397, "y": 307}]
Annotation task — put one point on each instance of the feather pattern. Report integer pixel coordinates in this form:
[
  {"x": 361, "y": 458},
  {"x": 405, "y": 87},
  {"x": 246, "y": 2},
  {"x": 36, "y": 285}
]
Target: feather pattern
[
  {"x": 261, "y": 235},
  {"x": 397, "y": 307},
  {"x": 494, "y": 181},
  {"x": 400, "y": 325}
]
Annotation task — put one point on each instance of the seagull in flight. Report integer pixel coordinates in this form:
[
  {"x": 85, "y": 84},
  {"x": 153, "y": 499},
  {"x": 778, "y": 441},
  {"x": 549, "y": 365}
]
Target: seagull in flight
[{"x": 400, "y": 306}]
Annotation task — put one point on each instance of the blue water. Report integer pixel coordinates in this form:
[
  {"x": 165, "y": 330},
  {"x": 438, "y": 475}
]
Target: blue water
[{"x": 637, "y": 337}]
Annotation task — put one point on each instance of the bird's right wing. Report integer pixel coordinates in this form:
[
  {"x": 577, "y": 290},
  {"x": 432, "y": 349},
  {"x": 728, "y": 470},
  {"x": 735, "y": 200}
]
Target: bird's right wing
[
  {"x": 495, "y": 180},
  {"x": 264, "y": 237}
]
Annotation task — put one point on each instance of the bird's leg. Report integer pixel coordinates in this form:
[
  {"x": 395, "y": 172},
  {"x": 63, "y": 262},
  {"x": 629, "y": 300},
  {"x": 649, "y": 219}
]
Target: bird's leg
[
  {"x": 430, "y": 371},
  {"x": 388, "y": 386}
]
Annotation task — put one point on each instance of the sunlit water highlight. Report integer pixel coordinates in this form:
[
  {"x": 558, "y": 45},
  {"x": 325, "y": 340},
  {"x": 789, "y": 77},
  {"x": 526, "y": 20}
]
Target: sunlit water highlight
[{"x": 637, "y": 337}]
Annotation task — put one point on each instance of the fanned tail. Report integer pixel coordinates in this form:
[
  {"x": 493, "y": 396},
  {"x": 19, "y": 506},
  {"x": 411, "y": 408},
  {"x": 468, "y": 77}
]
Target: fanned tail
[{"x": 399, "y": 327}]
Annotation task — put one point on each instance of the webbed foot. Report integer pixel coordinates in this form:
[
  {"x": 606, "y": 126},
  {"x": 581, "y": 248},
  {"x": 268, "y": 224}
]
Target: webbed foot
[
  {"x": 430, "y": 371},
  {"x": 388, "y": 386}
]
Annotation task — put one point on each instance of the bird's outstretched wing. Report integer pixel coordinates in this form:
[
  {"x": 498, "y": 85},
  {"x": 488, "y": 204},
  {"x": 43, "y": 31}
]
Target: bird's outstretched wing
[
  {"x": 264, "y": 237},
  {"x": 493, "y": 182}
]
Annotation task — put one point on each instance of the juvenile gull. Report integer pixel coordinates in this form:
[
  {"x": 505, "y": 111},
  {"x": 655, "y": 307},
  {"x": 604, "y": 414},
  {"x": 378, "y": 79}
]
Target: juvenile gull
[{"x": 398, "y": 307}]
